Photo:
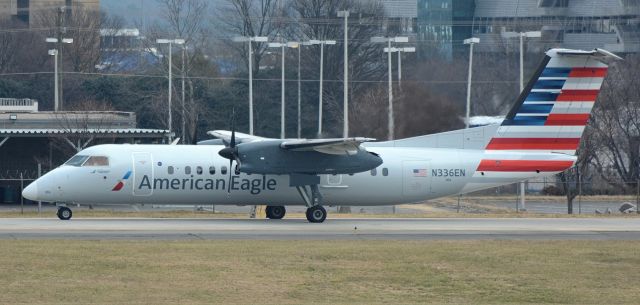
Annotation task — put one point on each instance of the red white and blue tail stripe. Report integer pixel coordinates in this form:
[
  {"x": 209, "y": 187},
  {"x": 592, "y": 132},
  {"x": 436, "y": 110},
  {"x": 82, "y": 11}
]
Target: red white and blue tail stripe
[
  {"x": 553, "y": 110},
  {"x": 542, "y": 131}
]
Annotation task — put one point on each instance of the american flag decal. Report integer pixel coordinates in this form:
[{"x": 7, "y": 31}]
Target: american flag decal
[{"x": 420, "y": 172}]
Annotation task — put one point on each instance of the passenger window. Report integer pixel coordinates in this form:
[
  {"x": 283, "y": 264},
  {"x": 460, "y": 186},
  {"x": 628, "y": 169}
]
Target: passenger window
[
  {"x": 199, "y": 170},
  {"x": 170, "y": 170},
  {"x": 76, "y": 160},
  {"x": 97, "y": 161},
  {"x": 187, "y": 170},
  {"x": 223, "y": 170},
  {"x": 385, "y": 172},
  {"x": 212, "y": 170},
  {"x": 374, "y": 172}
]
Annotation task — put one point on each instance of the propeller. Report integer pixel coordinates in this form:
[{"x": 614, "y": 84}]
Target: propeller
[{"x": 231, "y": 150}]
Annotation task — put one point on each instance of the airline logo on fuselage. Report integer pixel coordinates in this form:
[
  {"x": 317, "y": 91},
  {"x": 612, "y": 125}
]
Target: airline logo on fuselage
[
  {"x": 253, "y": 186},
  {"x": 120, "y": 183}
]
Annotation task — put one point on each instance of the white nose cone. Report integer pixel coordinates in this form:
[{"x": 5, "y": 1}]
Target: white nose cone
[{"x": 31, "y": 191}]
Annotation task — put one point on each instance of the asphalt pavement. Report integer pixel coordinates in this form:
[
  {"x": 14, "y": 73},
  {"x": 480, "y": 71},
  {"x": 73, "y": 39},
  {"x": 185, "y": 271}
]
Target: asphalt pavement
[{"x": 332, "y": 229}]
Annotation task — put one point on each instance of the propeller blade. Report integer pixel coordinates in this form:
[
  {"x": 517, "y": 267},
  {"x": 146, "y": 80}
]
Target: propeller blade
[
  {"x": 230, "y": 172},
  {"x": 233, "y": 129},
  {"x": 230, "y": 151}
]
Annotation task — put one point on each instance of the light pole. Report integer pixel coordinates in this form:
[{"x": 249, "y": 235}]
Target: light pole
[
  {"x": 299, "y": 134},
  {"x": 250, "y": 60},
  {"x": 54, "y": 53},
  {"x": 345, "y": 126},
  {"x": 283, "y": 46},
  {"x": 322, "y": 43},
  {"x": 470, "y": 41},
  {"x": 389, "y": 40},
  {"x": 170, "y": 42},
  {"x": 522, "y": 35},
  {"x": 400, "y": 51},
  {"x": 184, "y": 124},
  {"x": 58, "y": 101}
]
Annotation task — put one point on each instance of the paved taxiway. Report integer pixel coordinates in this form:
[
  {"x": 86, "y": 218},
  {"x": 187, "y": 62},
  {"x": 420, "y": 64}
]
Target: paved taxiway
[{"x": 404, "y": 229}]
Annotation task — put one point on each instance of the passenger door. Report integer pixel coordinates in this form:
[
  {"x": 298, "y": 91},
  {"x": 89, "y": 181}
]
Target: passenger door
[{"x": 142, "y": 172}]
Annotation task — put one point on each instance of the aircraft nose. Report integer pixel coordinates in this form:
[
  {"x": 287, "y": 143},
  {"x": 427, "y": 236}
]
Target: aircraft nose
[{"x": 31, "y": 191}]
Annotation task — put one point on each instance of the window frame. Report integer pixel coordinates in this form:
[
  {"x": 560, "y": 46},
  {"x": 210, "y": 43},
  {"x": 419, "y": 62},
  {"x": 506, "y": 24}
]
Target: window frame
[
  {"x": 84, "y": 158},
  {"x": 102, "y": 158}
]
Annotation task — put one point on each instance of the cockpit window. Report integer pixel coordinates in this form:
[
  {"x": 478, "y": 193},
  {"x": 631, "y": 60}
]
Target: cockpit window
[
  {"x": 97, "y": 161},
  {"x": 77, "y": 160}
]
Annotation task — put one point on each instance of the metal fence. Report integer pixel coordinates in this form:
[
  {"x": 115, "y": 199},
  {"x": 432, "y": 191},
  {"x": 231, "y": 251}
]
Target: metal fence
[{"x": 570, "y": 197}]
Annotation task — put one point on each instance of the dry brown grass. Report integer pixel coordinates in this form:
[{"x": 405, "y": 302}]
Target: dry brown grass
[{"x": 319, "y": 272}]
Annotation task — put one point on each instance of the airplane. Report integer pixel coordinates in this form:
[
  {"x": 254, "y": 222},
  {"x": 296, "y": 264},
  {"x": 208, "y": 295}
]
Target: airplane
[{"x": 538, "y": 137}]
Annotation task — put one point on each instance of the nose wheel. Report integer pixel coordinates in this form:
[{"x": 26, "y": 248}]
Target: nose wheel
[
  {"x": 316, "y": 214},
  {"x": 64, "y": 213}
]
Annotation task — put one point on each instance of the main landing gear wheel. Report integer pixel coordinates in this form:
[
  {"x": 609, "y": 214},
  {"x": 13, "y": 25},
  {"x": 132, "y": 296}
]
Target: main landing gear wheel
[
  {"x": 64, "y": 213},
  {"x": 275, "y": 212},
  {"x": 316, "y": 214}
]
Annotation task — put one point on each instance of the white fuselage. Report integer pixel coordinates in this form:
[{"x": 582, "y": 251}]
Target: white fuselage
[{"x": 188, "y": 174}]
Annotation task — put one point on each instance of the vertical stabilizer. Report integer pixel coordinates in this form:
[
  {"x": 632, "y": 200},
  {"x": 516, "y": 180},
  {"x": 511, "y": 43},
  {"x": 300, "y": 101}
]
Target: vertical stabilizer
[{"x": 553, "y": 110}]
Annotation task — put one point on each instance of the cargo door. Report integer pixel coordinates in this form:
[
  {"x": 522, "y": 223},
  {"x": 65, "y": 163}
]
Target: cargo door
[{"x": 416, "y": 181}]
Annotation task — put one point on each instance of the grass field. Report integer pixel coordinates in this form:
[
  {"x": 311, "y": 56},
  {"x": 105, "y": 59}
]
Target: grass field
[{"x": 319, "y": 272}]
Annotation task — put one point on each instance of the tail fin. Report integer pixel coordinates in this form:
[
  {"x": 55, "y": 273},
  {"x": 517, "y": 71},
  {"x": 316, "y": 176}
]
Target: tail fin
[{"x": 553, "y": 110}]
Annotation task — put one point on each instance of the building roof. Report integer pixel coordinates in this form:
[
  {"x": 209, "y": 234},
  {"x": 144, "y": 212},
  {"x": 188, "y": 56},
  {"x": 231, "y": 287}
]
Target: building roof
[{"x": 90, "y": 132}]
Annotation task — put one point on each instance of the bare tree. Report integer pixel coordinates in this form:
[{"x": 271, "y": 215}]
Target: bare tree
[
  {"x": 83, "y": 26},
  {"x": 616, "y": 122},
  {"x": 81, "y": 124},
  {"x": 317, "y": 19},
  {"x": 9, "y": 44},
  {"x": 249, "y": 18},
  {"x": 184, "y": 19},
  {"x": 573, "y": 178}
]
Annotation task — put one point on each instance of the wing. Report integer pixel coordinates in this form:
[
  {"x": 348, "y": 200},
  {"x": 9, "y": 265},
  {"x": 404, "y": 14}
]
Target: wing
[
  {"x": 225, "y": 135},
  {"x": 348, "y": 146}
]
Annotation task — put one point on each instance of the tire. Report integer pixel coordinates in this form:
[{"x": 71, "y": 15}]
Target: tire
[
  {"x": 316, "y": 214},
  {"x": 64, "y": 213},
  {"x": 277, "y": 212}
]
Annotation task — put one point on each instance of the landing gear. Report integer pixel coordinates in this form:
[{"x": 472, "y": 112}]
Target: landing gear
[
  {"x": 307, "y": 186},
  {"x": 64, "y": 213},
  {"x": 313, "y": 199},
  {"x": 275, "y": 212},
  {"x": 316, "y": 214}
]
